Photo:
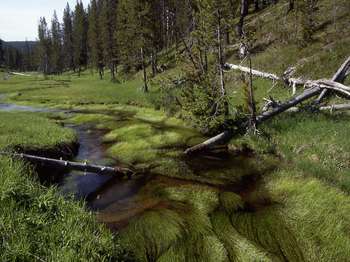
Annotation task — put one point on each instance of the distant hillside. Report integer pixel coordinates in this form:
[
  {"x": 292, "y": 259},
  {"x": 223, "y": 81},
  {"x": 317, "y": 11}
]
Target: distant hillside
[{"x": 20, "y": 45}]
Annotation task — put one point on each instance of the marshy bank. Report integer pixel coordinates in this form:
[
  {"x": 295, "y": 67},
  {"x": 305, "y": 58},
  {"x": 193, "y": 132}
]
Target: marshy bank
[
  {"x": 285, "y": 200},
  {"x": 217, "y": 207}
]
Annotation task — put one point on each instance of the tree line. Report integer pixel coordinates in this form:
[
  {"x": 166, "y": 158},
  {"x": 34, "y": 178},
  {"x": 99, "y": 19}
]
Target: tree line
[{"x": 17, "y": 58}]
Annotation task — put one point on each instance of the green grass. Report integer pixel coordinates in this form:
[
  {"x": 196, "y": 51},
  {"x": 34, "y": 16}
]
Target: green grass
[
  {"x": 71, "y": 90},
  {"x": 32, "y": 132},
  {"x": 298, "y": 211},
  {"x": 36, "y": 223}
]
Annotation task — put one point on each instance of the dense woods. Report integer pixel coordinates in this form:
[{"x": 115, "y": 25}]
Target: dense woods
[
  {"x": 18, "y": 55},
  {"x": 129, "y": 34}
]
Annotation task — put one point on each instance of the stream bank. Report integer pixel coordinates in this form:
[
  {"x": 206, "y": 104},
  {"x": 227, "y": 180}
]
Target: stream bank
[{"x": 175, "y": 198}]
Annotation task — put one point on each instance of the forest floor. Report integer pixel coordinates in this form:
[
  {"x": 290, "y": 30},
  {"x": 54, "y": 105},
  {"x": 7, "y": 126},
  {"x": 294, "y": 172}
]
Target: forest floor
[{"x": 280, "y": 195}]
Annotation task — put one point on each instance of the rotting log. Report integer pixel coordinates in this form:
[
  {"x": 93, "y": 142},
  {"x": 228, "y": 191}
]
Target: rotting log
[
  {"x": 313, "y": 88},
  {"x": 69, "y": 165}
]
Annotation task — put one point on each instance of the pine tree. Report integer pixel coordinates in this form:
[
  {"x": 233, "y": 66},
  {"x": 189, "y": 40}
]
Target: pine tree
[
  {"x": 68, "y": 39},
  {"x": 80, "y": 36},
  {"x": 56, "y": 50},
  {"x": 94, "y": 41},
  {"x": 45, "y": 46},
  {"x": 205, "y": 98},
  {"x": 108, "y": 25}
]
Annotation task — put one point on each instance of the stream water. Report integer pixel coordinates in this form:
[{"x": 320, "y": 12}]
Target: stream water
[
  {"x": 121, "y": 201},
  {"x": 91, "y": 149}
]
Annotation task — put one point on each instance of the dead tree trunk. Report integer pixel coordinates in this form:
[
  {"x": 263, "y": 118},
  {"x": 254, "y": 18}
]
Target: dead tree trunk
[
  {"x": 313, "y": 88},
  {"x": 221, "y": 64},
  {"x": 69, "y": 165},
  {"x": 144, "y": 69},
  {"x": 226, "y": 136},
  {"x": 339, "y": 77},
  {"x": 331, "y": 108}
]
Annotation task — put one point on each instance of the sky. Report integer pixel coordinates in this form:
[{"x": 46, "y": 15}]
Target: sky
[{"x": 19, "y": 18}]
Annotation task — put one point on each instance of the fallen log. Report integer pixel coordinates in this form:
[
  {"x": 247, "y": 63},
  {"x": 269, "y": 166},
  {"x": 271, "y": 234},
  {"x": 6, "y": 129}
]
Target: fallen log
[
  {"x": 227, "y": 135},
  {"x": 18, "y": 74},
  {"x": 253, "y": 71},
  {"x": 339, "y": 77},
  {"x": 313, "y": 88},
  {"x": 331, "y": 108},
  {"x": 69, "y": 165}
]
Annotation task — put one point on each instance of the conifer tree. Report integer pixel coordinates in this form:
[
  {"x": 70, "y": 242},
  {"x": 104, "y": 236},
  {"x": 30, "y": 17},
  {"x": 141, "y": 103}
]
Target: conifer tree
[
  {"x": 108, "y": 25},
  {"x": 45, "y": 46},
  {"x": 68, "y": 38},
  {"x": 56, "y": 50},
  {"x": 94, "y": 41},
  {"x": 80, "y": 36}
]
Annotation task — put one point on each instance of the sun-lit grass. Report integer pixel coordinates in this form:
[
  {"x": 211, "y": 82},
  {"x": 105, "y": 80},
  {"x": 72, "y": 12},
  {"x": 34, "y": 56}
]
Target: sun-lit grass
[
  {"x": 36, "y": 223},
  {"x": 299, "y": 211},
  {"x": 318, "y": 214},
  {"x": 30, "y": 131},
  {"x": 72, "y": 90}
]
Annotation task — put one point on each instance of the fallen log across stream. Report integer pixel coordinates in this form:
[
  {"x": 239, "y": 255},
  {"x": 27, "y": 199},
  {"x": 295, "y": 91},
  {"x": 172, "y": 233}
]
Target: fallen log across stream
[
  {"x": 313, "y": 88},
  {"x": 69, "y": 165}
]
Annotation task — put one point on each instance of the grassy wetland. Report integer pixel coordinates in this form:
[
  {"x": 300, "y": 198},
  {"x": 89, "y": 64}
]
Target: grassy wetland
[
  {"x": 281, "y": 196},
  {"x": 278, "y": 194}
]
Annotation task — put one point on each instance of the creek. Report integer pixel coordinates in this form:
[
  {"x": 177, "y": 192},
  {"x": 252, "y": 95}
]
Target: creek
[{"x": 148, "y": 198}]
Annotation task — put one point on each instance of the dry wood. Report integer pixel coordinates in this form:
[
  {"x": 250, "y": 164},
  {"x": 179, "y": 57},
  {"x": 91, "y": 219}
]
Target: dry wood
[
  {"x": 69, "y": 165},
  {"x": 313, "y": 88},
  {"x": 331, "y": 108},
  {"x": 254, "y": 72},
  {"x": 339, "y": 77},
  {"x": 18, "y": 74},
  {"x": 225, "y": 136}
]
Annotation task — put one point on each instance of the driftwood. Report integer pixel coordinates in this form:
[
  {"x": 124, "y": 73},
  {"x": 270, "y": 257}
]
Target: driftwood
[
  {"x": 69, "y": 165},
  {"x": 313, "y": 88}
]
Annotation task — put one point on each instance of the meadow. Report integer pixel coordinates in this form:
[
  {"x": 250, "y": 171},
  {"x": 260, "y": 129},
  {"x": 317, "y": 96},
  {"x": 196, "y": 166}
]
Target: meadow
[{"x": 279, "y": 195}]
